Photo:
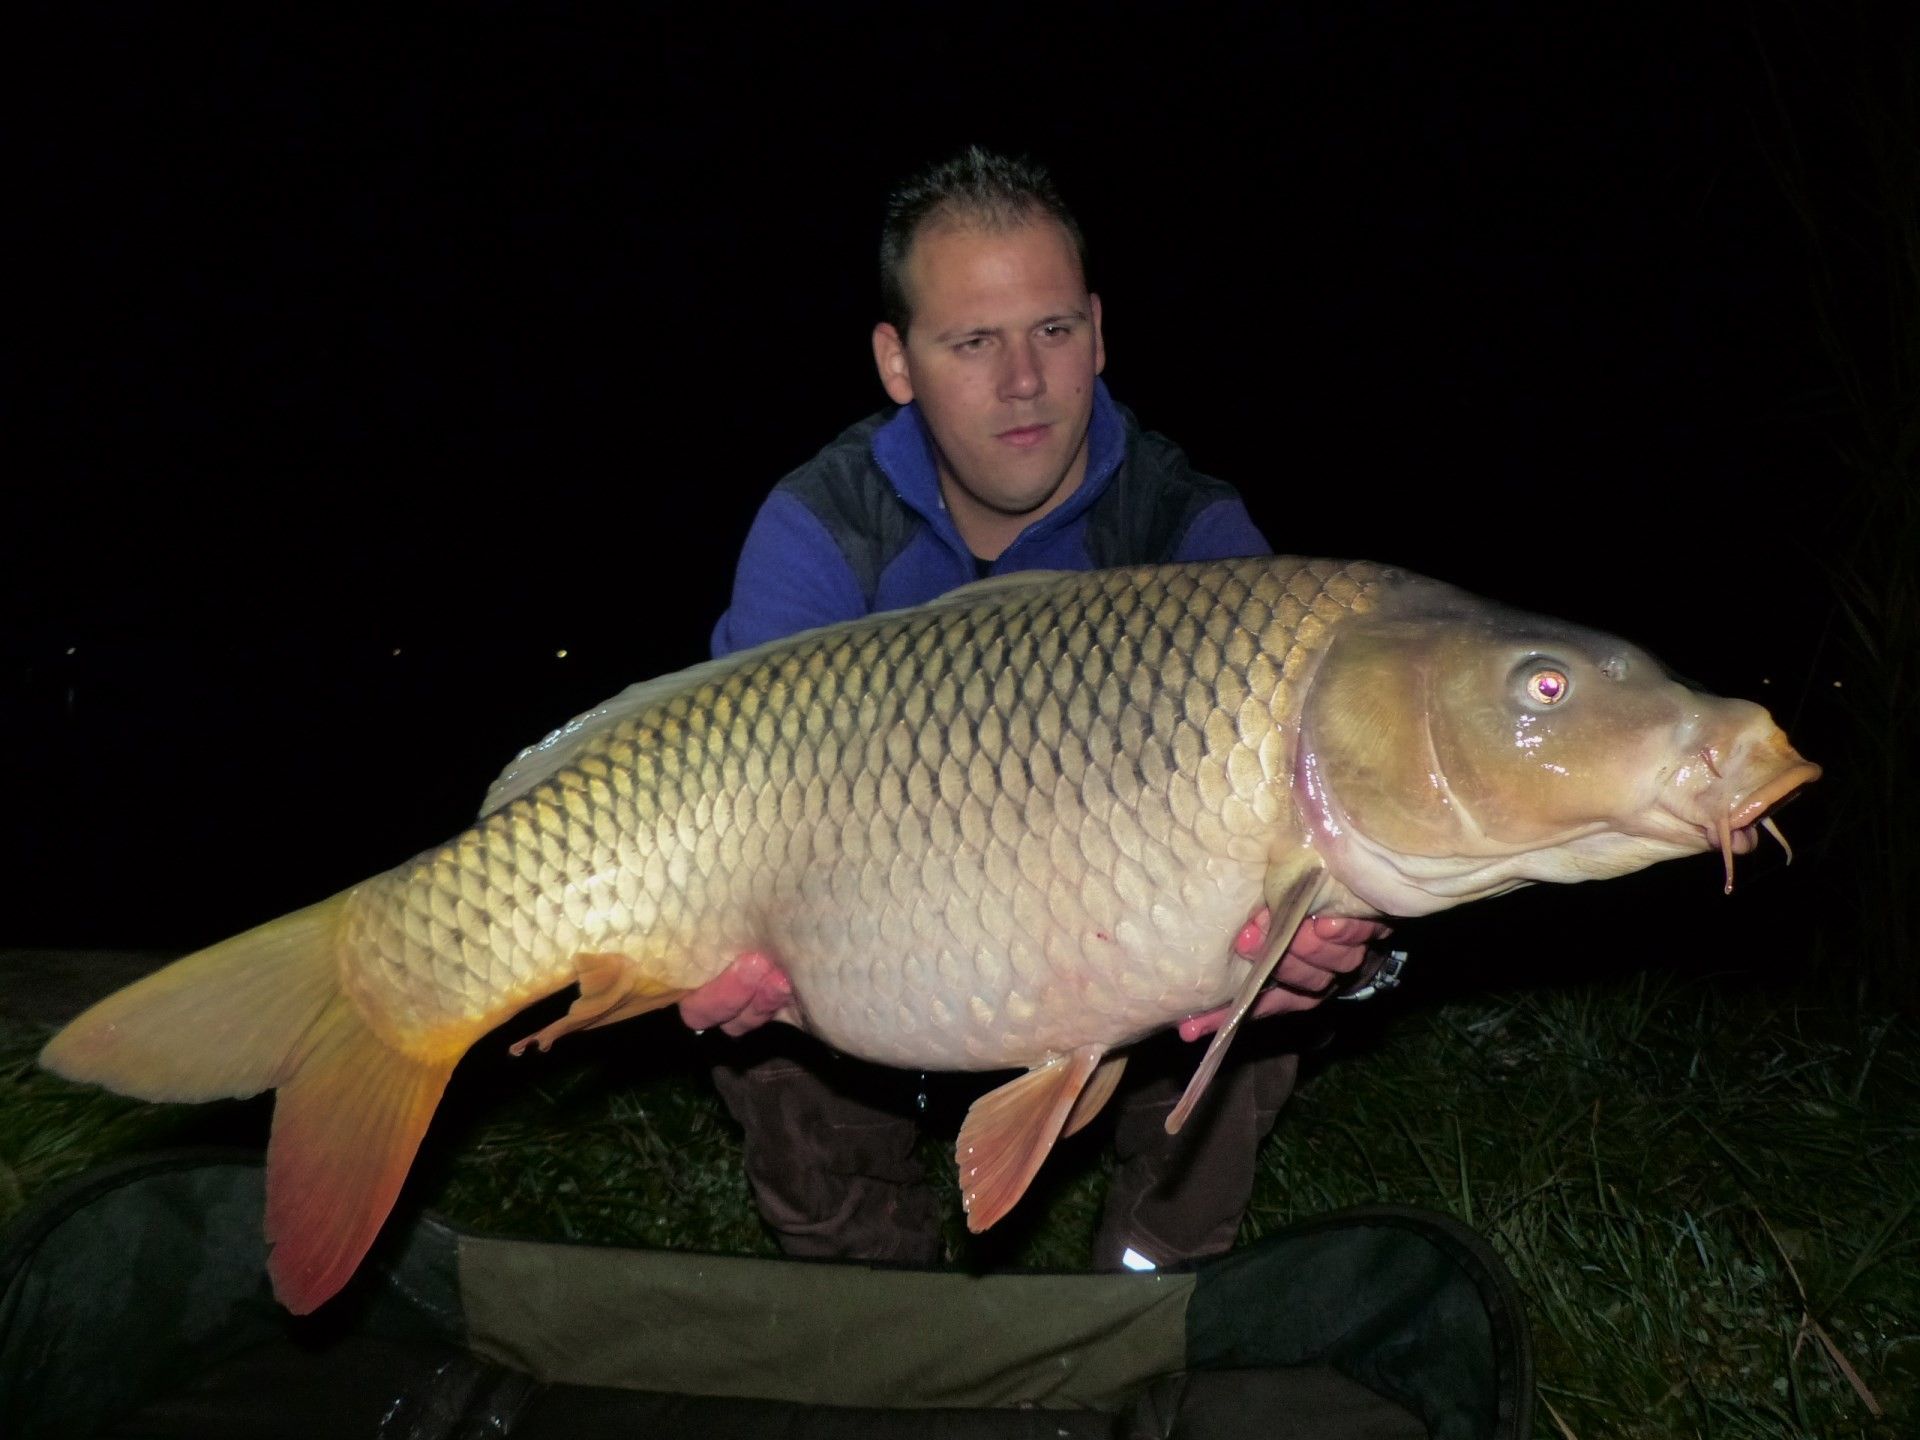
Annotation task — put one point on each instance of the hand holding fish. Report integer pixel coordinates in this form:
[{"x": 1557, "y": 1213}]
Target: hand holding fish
[
  {"x": 746, "y": 995},
  {"x": 1324, "y": 952}
]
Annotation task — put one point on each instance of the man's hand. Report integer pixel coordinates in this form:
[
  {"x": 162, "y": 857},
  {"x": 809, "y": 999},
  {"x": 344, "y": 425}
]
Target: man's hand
[
  {"x": 1324, "y": 951},
  {"x": 744, "y": 996}
]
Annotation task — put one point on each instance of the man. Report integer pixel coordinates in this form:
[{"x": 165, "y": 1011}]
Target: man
[{"x": 1005, "y": 453}]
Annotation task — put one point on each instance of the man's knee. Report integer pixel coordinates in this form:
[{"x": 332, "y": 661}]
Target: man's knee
[
  {"x": 832, "y": 1175},
  {"x": 1181, "y": 1197}
]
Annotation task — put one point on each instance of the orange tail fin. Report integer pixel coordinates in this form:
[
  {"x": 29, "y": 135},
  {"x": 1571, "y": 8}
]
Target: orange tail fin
[{"x": 265, "y": 1009}]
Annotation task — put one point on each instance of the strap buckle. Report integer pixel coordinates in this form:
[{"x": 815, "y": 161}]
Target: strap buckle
[{"x": 1387, "y": 977}]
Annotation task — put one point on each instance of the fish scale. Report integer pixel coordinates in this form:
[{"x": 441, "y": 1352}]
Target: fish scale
[{"x": 1015, "y": 776}]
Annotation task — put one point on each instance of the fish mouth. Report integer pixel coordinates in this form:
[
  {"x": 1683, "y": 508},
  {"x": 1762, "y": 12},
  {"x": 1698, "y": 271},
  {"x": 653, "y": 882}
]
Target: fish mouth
[{"x": 1733, "y": 831}]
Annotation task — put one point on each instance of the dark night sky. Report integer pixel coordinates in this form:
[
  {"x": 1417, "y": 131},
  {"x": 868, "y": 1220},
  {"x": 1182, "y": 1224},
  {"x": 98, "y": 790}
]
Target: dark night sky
[{"x": 479, "y": 332}]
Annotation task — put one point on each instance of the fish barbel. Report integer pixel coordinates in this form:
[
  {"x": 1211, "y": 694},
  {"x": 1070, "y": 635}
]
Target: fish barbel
[{"x": 1018, "y": 827}]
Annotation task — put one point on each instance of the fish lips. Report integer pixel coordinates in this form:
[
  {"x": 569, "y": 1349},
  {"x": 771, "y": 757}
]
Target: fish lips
[
  {"x": 1744, "y": 797},
  {"x": 1730, "y": 826},
  {"x": 1744, "y": 812}
]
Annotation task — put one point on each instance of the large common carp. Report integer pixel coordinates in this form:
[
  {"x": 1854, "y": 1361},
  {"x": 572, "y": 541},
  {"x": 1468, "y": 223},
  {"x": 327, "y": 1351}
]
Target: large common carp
[{"x": 1020, "y": 826}]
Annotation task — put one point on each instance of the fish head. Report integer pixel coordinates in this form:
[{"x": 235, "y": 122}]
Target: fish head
[{"x": 1452, "y": 749}]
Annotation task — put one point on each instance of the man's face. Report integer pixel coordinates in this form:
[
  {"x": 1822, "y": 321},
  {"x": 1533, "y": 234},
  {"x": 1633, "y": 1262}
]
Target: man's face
[{"x": 1001, "y": 355}]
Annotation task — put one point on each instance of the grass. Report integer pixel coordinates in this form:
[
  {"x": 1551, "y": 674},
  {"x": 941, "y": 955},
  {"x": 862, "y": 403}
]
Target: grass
[
  {"x": 1683, "y": 1179},
  {"x": 1707, "y": 1189}
]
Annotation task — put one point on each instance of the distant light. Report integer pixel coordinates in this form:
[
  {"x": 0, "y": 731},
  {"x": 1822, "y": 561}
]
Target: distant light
[
  {"x": 1766, "y": 682},
  {"x": 1836, "y": 684},
  {"x": 559, "y": 654},
  {"x": 396, "y": 649},
  {"x": 73, "y": 649}
]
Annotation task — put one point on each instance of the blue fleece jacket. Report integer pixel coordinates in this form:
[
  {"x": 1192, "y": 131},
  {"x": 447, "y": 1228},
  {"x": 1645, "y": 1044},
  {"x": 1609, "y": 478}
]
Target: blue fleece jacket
[{"x": 862, "y": 527}]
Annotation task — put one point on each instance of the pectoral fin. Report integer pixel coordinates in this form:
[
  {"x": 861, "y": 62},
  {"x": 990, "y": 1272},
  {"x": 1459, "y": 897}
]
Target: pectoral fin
[
  {"x": 612, "y": 987},
  {"x": 1287, "y": 910},
  {"x": 1009, "y": 1132}
]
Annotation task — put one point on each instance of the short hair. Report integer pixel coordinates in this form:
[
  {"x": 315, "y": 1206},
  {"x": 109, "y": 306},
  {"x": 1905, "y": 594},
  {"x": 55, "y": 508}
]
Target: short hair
[{"x": 976, "y": 187}]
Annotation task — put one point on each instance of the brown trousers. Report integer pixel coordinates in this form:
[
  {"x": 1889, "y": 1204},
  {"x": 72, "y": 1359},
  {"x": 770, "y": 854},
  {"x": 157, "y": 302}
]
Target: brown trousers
[{"x": 830, "y": 1142}]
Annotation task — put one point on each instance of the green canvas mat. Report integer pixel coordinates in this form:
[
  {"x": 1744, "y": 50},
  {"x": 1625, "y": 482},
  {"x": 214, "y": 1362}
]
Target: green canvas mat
[{"x": 134, "y": 1302}]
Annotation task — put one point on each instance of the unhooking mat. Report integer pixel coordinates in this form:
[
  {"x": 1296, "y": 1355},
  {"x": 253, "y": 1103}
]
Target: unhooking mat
[{"x": 133, "y": 1303}]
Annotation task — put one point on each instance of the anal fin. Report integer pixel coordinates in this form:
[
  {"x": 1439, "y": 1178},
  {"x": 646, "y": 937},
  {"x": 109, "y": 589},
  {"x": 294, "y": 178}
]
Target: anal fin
[
  {"x": 1286, "y": 911},
  {"x": 1009, "y": 1132},
  {"x": 612, "y": 988}
]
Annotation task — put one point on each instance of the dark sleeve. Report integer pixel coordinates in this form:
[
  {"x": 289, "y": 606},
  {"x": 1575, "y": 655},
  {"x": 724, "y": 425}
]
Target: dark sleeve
[
  {"x": 791, "y": 577},
  {"x": 1222, "y": 531}
]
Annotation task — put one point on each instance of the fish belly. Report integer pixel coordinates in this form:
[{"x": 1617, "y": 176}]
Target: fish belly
[
  {"x": 943, "y": 932},
  {"x": 944, "y": 981}
]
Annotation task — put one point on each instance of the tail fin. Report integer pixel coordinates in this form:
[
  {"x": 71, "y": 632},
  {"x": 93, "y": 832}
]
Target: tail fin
[{"x": 265, "y": 1009}]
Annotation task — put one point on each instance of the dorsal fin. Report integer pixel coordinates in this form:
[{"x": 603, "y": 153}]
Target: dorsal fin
[
  {"x": 559, "y": 749},
  {"x": 547, "y": 757}
]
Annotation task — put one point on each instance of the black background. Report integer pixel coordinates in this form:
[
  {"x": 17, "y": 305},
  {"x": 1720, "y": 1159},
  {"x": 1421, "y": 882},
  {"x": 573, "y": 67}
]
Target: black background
[{"x": 478, "y": 332}]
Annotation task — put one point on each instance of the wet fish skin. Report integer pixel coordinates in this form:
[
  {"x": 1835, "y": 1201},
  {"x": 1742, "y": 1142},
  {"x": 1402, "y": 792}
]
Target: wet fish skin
[
  {"x": 973, "y": 833},
  {"x": 1019, "y": 826}
]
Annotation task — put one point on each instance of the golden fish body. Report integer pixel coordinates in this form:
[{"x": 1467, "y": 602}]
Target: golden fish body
[
  {"x": 976, "y": 834},
  {"x": 1018, "y": 827}
]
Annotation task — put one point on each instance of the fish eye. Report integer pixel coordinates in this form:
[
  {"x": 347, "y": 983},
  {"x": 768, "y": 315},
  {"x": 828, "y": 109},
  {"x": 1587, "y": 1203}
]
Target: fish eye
[{"x": 1548, "y": 686}]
